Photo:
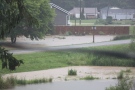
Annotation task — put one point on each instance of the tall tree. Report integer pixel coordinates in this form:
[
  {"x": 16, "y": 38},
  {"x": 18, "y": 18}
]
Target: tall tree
[
  {"x": 12, "y": 13},
  {"x": 42, "y": 11}
]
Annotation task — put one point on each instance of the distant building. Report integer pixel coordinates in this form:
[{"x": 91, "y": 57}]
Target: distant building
[
  {"x": 89, "y": 13},
  {"x": 117, "y": 13},
  {"x": 62, "y": 16}
]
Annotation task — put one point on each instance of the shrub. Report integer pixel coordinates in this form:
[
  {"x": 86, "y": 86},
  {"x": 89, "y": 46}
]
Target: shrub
[
  {"x": 123, "y": 37},
  {"x": 101, "y": 33},
  {"x": 72, "y": 72},
  {"x": 109, "y": 20},
  {"x": 120, "y": 75},
  {"x": 100, "y": 21},
  {"x": 68, "y": 33},
  {"x": 124, "y": 84},
  {"x": 7, "y": 83}
]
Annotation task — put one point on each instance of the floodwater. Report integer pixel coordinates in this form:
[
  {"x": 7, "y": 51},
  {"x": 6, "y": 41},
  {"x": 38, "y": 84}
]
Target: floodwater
[{"x": 70, "y": 85}]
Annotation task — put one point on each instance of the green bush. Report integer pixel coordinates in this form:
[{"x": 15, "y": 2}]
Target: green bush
[
  {"x": 72, "y": 72},
  {"x": 109, "y": 20}
]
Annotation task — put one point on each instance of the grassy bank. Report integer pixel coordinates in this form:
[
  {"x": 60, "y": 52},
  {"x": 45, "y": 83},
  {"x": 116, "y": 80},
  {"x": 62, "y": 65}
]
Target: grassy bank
[
  {"x": 10, "y": 82},
  {"x": 48, "y": 60}
]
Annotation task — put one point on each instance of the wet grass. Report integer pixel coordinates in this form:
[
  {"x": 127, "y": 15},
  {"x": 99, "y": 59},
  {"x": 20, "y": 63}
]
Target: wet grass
[{"x": 57, "y": 59}]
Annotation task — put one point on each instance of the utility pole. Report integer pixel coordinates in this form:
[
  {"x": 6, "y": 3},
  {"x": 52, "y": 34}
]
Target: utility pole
[
  {"x": 80, "y": 11},
  {"x": 94, "y": 28}
]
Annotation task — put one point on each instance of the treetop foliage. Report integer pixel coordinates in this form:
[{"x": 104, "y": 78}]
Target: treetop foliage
[{"x": 12, "y": 13}]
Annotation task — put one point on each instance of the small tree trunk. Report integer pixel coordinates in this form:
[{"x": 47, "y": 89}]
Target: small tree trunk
[{"x": 13, "y": 39}]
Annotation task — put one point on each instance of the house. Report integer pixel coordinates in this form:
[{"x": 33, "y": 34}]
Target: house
[
  {"x": 89, "y": 13},
  {"x": 117, "y": 13},
  {"x": 62, "y": 16}
]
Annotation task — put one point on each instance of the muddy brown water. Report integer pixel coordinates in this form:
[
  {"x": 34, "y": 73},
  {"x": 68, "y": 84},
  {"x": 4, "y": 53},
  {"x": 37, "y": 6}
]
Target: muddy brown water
[{"x": 70, "y": 85}]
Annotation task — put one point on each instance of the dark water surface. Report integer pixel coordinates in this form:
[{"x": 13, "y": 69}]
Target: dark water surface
[{"x": 70, "y": 85}]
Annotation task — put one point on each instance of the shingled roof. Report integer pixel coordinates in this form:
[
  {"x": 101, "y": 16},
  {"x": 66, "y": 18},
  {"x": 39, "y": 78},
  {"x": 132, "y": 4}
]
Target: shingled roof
[{"x": 59, "y": 8}]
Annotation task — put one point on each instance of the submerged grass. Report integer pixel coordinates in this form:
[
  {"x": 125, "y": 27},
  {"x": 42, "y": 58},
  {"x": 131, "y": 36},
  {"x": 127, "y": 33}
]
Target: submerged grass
[
  {"x": 89, "y": 78},
  {"x": 35, "y": 81},
  {"x": 10, "y": 82}
]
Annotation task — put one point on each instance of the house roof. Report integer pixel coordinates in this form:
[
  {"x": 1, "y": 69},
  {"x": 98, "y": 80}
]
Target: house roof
[
  {"x": 76, "y": 10},
  {"x": 117, "y": 10},
  {"x": 59, "y": 8}
]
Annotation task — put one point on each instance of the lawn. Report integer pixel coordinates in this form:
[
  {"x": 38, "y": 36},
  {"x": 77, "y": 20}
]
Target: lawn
[
  {"x": 48, "y": 60},
  {"x": 84, "y": 22},
  {"x": 90, "y": 22}
]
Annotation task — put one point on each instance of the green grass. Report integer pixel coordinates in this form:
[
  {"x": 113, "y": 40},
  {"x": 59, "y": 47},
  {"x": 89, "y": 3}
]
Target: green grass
[
  {"x": 57, "y": 59},
  {"x": 84, "y": 22},
  {"x": 101, "y": 22},
  {"x": 132, "y": 30}
]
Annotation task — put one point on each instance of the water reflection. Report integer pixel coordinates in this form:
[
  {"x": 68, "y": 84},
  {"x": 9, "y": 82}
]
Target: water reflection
[{"x": 70, "y": 85}]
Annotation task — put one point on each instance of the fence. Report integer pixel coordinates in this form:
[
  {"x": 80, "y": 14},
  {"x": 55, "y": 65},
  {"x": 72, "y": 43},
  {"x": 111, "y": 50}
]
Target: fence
[{"x": 86, "y": 30}]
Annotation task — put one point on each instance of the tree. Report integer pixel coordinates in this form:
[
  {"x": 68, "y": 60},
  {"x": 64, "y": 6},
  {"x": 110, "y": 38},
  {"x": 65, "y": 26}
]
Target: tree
[
  {"x": 109, "y": 20},
  {"x": 42, "y": 11},
  {"x": 12, "y": 13}
]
